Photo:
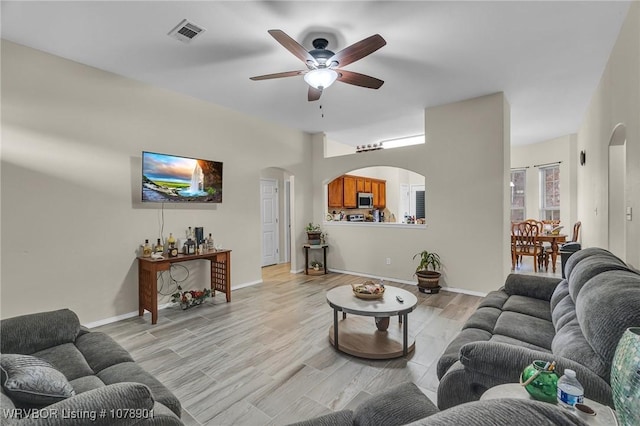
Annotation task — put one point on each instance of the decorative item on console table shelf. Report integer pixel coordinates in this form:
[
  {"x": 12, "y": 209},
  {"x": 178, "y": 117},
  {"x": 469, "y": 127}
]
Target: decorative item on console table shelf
[
  {"x": 148, "y": 268},
  {"x": 189, "y": 299}
]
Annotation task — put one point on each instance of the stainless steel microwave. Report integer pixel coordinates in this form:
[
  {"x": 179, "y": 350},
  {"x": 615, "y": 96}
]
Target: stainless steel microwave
[{"x": 365, "y": 200}]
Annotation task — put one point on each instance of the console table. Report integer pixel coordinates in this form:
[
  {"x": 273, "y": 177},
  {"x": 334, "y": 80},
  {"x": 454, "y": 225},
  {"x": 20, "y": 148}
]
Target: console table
[{"x": 148, "y": 269}]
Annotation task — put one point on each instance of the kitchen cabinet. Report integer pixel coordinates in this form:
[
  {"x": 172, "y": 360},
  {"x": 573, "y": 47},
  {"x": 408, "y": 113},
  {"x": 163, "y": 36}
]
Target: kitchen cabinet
[
  {"x": 350, "y": 191},
  {"x": 363, "y": 184},
  {"x": 379, "y": 190},
  {"x": 336, "y": 193},
  {"x": 343, "y": 191}
]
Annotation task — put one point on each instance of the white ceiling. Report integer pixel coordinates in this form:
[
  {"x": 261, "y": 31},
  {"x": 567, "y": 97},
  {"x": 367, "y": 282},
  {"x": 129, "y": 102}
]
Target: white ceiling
[{"x": 547, "y": 57}]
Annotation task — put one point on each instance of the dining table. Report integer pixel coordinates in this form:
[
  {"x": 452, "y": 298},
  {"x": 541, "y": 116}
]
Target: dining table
[{"x": 554, "y": 239}]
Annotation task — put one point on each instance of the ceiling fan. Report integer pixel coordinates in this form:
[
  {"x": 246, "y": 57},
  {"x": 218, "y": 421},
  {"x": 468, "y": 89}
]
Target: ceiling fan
[{"x": 324, "y": 66}]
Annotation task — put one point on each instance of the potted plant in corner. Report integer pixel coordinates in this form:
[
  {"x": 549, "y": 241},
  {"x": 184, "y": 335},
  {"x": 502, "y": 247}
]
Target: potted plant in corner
[
  {"x": 427, "y": 272},
  {"x": 313, "y": 234}
]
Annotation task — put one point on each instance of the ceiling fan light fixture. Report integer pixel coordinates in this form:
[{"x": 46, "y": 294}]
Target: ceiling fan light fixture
[{"x": 321, "y": 78}]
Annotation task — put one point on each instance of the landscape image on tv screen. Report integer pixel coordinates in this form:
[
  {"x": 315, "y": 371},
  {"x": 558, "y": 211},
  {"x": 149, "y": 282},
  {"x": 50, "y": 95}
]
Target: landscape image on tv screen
[{"x": 170, "y": 178}]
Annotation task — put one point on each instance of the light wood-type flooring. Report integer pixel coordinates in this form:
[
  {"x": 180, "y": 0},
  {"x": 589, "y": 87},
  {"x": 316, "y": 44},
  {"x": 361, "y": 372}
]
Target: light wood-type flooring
[{"x": 265, "y": 358}]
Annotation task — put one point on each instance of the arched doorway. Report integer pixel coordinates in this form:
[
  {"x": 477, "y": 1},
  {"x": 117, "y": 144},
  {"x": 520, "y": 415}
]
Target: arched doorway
[{"x": 617, "y": 191}]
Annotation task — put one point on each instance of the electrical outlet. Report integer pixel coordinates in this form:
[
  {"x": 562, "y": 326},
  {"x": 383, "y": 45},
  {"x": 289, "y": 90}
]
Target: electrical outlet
[{"x": 388, "y": 261}]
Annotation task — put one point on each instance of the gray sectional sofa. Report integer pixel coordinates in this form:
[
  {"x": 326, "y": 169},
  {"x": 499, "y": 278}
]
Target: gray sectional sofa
[
  {"x": 101, "y": 376},
  {"x": 576, "y": 322}
]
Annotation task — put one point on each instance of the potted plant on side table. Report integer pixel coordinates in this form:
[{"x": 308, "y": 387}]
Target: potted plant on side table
[
  {"x": 427, "y": 272},
  {"x": 313, "y": 234}
]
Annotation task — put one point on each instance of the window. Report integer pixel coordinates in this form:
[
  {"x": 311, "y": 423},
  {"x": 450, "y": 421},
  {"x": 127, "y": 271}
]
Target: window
[
  {"x": 518, "y": 183},
  {"x": 550, "y": 193}
]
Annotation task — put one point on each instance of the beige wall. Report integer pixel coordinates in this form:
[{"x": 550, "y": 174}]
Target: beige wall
[
  {"x": 616, "y": 100},
  {"x": 465, "y": 163},
  {"x": 72, "y": 220},
  {"x": 563, "y": 150}
]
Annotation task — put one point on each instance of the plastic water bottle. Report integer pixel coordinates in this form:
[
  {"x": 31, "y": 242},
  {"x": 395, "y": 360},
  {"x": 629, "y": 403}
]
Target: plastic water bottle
[{"x": 570, "y": 391}]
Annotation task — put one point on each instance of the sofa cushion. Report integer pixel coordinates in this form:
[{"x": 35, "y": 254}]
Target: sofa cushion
[
  {"x": 33, "y": 382},
  {"x": 532, "y": 286},
  {"x": 570, "y": 343},
  {"x": 494, "y": 299},
  {"x": 499, "y": 338},
  {"x": 559, "y": 293},
  {"x": 31, "y": 333},
  {"x": 101, "y": 351},
  {"x": 529, "y": 306},
  {"x": 563, "y": 309},
  {"x": 132, "y": 372},
  {"x": 86, "y": 383},
  {"x": 337, "y": 418},
  {"x": 526, "y": 328},
  {"x": 580, "y": 255},
  {"x": 584, "y": 271},
  {"x": 397, "y": 406},
  {"x": 68, "y": 359},
  {"x": 601, "y": 328},
  {"x": 483, "y": 319}
]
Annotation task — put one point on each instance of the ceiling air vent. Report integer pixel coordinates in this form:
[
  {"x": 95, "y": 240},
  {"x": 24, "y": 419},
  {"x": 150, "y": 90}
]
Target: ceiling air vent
[{"x": 186, "y": 31}]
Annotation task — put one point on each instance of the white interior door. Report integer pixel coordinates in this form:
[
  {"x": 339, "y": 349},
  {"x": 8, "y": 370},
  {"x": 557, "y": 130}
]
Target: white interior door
[{"x": 269, "y": 214}]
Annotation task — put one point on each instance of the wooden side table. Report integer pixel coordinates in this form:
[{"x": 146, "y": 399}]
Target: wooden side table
[
  {"x": 605, "y": 416},
  {"x": 306, "y": 256},
  {"x": 148, "y": 268}
]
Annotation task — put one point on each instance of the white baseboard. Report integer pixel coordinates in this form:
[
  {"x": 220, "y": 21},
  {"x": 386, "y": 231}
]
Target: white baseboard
[
  {"x": 249, "y": 284},
  {"x": 297, "y": 271},
  {"x": 120, "y": 317},
  {"x": 452, "y": 289},
  {"x": 164, "y": 305}
]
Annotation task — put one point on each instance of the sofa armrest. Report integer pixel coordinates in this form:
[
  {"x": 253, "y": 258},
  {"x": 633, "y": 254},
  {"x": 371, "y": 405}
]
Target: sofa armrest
[
  {"x": 27, "y": 334},
  {"x": 132, "y": 404},
  {"x": 506, "y": 362},
  {"x": 531, "y": 286}
]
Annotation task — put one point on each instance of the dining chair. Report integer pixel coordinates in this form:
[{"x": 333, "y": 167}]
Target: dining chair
[
  {"x": 524, "y": 242},
  {"x": 543, "y": 246}
]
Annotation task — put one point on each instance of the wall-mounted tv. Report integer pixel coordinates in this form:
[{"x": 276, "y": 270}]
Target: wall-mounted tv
[{"x": 170, "y": 178}]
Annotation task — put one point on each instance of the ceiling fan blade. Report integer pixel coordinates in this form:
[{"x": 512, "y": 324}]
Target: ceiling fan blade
[
  {"x": 358, "y": 50},
  {"x": 358, "y": 79},
  {"x": 278, "y": 75},
  {"x": 314, "y": 94},
  {"x": 293, "y": 46}
]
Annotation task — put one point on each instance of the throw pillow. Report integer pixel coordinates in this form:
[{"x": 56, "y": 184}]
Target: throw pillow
[{"x": 32, "y": 381}]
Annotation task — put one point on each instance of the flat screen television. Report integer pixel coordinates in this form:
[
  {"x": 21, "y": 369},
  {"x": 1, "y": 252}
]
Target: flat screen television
[{"x": 175, "y": 179}]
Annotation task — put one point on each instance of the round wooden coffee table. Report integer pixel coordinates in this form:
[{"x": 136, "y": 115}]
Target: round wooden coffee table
[{"x": 358, "y": 336}]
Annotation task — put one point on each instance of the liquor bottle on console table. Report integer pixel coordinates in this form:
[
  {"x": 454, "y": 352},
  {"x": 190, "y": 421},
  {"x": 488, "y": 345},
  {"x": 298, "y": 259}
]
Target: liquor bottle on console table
[
  {"x": 159, "y": 247},
  {"x": 210, "y": 246},
  {"x": 190, "y": 247},
  {"x": 146, "y": 249}
]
